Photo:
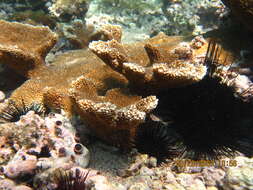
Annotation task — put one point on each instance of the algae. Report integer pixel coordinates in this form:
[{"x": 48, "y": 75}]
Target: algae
[{"x": 129, "y": 6}]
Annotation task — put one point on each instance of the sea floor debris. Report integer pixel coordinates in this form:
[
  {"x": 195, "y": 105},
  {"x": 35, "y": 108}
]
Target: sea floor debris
[{"x": 34, "y": 146}]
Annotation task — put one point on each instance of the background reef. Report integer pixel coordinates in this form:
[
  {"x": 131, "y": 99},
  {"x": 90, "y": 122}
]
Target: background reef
[
  {"x": 127, "y": 85},
  {"x": 139, "y": 19}
]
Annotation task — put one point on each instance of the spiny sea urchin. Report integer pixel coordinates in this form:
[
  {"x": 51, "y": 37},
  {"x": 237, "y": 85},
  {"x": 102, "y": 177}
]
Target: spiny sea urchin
[
  {"x": 211, "y": 120},
  {"x": 69, "y": 180},
  {"x": 155, "y": 139},
  {"x": 13, "y": 111}
]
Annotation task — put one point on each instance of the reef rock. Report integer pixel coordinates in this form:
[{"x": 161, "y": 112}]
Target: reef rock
[
  {"x": 34, "y": 144},
  {"x": 9, "y": 184},
  {"x": 24, "y": 47},
  {"x": 69, "y": 9},
  {"x": 240, "y": 177}
]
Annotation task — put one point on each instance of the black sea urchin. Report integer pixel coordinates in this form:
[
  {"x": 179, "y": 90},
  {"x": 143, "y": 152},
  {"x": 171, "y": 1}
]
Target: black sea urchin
[
  {"x": 13, "y": 111},
  {"x": 209, "y": 119},
  {"x": 155, "y": 139},
  {"x": 212, "y": 121},
  {"x": 69, "y": 180}
]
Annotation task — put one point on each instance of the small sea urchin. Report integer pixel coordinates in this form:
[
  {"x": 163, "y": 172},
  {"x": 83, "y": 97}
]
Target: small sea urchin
[
  {"x": 13, "y": 111},
  {"x": 69, "y": 180},
  {"x": 155, "y": 139}
]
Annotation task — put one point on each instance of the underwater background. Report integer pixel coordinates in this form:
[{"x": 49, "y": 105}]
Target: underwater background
[{"x": 126, "y": 95}]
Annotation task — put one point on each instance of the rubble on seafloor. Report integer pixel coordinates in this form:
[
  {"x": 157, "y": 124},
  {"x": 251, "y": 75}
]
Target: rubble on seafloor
[
  {"x": 101, "y": 93},
  {"x": 35, "y": 147},
  {"x": 33, "y": 12},
  {"x": 141, "y": 19},
  {"x": 69, "y": 9}
]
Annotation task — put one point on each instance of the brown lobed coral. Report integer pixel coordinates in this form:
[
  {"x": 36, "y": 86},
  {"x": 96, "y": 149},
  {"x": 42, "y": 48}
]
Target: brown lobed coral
[
  {"x": 80, "y": 34},
  {"x": 24, "y": 47},
  {"x": 79, "y": 82},
  {"x": 157, "y": 63}
]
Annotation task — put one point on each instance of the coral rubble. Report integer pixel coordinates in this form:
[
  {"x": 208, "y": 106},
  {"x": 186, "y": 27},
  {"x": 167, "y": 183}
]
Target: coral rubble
[
  {"x": 36, "y": 146},
  {"x": 240, "y": 176},
  {"x": 68, "y": 9},
  {"x": 141, "y": 19}
]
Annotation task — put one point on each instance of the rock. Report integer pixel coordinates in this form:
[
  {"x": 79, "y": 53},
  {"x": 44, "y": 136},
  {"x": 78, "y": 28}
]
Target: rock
[
  {"x": 211, "y": 188},
  {"x": 240, "y": 177},
  {"x": 139, "y": 186},
  {"x": 146, "y": 171},
  {"x": 2, "y": 96},
  {"x": 189, "y": 181},
  {"x": 243, "y": 11},
  {"x": 98, "y": 182},
  {"x": 22, "y": 187},
  {"x": 213, "y": 176},
  {"x": 6, "y": 184}
]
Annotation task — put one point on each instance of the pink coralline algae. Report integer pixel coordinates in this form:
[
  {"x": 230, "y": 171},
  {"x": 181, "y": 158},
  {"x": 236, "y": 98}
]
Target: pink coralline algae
[{"x": 34, "y": 146}]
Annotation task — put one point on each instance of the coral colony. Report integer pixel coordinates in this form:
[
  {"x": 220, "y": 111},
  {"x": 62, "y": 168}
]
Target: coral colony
[
  {"x": 194, "y": 91},
  {"x": 165, "y": 96}
]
